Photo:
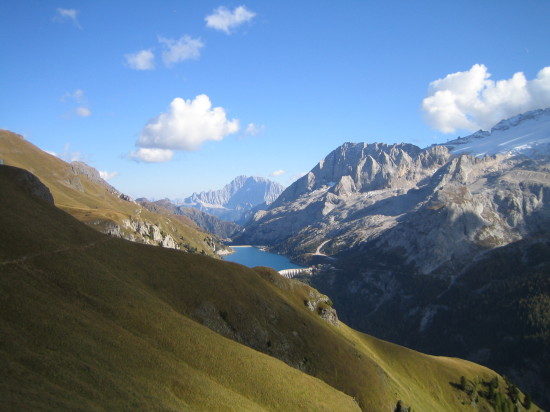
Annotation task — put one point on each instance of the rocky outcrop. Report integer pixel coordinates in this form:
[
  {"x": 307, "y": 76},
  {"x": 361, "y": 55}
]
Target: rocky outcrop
[
  {"x": 321, "y": 304},
  {"x": 151, "y": 233},
  {"x": 236, "y": 198},
  {"x": 82, "y": 169}
]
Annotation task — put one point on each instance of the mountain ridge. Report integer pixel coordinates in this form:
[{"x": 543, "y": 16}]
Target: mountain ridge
[{"x": 78, "y": 189}]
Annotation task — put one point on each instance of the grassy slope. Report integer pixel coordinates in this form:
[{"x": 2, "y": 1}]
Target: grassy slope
[
  {"x": 94, "y": 202},
  {"x": 93, "y": 322},
  {"x": 80, "y": 332}
]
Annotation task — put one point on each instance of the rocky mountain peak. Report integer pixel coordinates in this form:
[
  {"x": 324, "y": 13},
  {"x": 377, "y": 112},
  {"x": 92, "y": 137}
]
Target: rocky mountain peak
[
  {"x": 364, "y": 167},
  {"x": 236, "y": 198}
]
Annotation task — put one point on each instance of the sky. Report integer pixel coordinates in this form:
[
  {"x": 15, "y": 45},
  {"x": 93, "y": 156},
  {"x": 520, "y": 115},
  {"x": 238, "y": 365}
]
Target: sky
[{"x": 166, "y": 98}]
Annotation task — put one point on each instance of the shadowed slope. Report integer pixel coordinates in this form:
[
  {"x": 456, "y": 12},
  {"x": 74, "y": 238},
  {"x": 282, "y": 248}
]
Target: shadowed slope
[{"x": 91, "y": 322}]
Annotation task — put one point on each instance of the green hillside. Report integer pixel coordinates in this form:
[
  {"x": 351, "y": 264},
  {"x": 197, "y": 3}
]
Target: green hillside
[
  {"x": 96, "y": 203},
  {"x": 91, "y": 322}
]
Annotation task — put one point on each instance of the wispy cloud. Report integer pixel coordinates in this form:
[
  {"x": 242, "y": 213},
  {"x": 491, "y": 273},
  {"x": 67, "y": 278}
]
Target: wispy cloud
[
  {"x": 253, "y": 129},
  {"x": 278, "y": 173},
  {"x": 77, "y": 96},
  {"x": 68, "y": 155},
  {"x": 226, "y": 20},
  {"x": 141, "y": 60},
  {"x": 67, "y": 15},
  {"x": 184, "y": 48},
  {"x": 78, "y": 99},
  {"x": 470, "y": 100},
  {"x": 82, "y": 111}
]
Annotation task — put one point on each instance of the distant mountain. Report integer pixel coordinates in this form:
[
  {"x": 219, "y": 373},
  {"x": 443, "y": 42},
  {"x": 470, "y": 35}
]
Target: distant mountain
[
  {"x": 79, "y": 190},
  {"x": 236, "y": 198},
  {"x": 399, "y": 230},
  {"x": 212, "y": 224},
  {"x": 92, "y": 322}
]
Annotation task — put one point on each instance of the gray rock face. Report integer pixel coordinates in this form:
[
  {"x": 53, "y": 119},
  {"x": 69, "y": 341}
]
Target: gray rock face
[
  {"x": 438, "y": 210},
  {"x": 236, "y": 198}
]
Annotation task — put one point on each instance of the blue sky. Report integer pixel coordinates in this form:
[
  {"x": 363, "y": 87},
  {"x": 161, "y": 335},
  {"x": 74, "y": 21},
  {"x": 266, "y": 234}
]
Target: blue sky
[{"x": 210, "y": 90}]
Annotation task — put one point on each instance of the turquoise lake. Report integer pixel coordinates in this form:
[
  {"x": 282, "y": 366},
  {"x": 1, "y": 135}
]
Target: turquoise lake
[{"x": 252, "y": 256}]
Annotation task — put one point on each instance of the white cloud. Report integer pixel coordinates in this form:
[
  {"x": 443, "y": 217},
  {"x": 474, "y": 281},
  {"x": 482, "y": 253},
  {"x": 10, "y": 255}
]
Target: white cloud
[
  {"x": 142, "y": 60},
  {"x": 278, "y": 173},
  {"x": 186, "y": 125},
  {"x": 105, "y": 175},
  {"x": 179, "y": 50},
  {"x": 151, "y": 155},
  {"x": 226, "y": 20},
  {"x": 470, "y": 100},
  {"x": 82, "y": 111},
  {"x": 253, "y": 129},
  {"x": 67, "y": 14}
]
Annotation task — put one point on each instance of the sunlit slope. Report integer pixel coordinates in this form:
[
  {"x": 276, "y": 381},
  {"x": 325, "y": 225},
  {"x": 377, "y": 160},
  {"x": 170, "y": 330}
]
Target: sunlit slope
[
  {"x": 96, "y": 203},
  {"x": 97, "y": 323}
]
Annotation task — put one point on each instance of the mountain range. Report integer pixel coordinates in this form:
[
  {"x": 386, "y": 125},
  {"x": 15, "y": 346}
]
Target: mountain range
[
  {"x": 237, "y": 200},
  {"x": 95, "y": 322},
  {"x": 438, "y": 242},
  {"x": 443, "y": 249}
]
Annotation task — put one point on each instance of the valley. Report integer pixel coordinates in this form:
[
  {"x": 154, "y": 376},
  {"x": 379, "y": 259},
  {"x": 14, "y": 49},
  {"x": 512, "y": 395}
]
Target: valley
[{"x": 424, "y": 240}]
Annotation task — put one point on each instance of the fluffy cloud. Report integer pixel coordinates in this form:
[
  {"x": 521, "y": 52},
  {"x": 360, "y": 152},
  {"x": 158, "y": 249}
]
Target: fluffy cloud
[
  {"x": 278, "y": 173},
  {"x": 184, "y": 48},
  {"x": 105, "y": 175},
  {"x": 226, "y": 20},
  {"x": 151, "y": 155},
  {"x": 142, "y": 60},
  {"x": 67, "y": 14},
  {"x": 470, "y": 100},
  {"x": 186, "y": 125}
]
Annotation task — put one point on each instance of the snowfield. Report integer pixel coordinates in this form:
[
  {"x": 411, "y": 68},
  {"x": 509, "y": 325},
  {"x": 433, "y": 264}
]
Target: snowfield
[{"x": 526, "y": 134}]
